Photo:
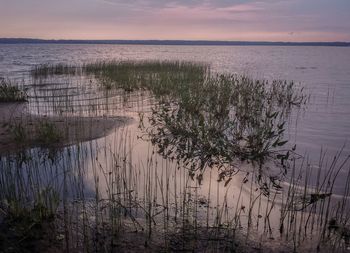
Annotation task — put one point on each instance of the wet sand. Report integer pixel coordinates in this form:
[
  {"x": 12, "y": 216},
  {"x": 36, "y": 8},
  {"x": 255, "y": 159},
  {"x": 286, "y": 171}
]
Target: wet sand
[{"x": 70, "y": 129}]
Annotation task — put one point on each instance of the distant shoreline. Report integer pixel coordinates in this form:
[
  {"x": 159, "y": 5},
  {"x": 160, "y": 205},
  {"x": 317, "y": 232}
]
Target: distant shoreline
[{"x": 172, "y": 42}]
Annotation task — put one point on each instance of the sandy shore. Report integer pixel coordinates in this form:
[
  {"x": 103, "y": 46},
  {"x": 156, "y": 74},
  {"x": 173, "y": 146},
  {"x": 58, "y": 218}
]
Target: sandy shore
[{"x": 15, "y": 121}]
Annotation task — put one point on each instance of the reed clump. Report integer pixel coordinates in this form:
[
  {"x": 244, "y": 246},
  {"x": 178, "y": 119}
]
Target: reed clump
[
  {"x": 38, "y": 133},
  {"x": 46, "y": 70},
  {"x": 111, "y": 194},
  {"x": 10, "y": 92},
  {"x": 28, "y": 204},
  {"x": 47, "y": 133},
  {"x": 204, "y": 119}
]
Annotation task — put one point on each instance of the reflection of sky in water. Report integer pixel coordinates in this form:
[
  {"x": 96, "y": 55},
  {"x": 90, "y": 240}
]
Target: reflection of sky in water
[
  {"x": 322, "y": 70},
  {"x": 324, "y": 124}
]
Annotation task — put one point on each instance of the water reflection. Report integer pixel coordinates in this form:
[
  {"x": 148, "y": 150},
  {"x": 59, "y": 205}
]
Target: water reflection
[
  {"x": 228, "y": 121},
  {"x": 215, "y": 132}
]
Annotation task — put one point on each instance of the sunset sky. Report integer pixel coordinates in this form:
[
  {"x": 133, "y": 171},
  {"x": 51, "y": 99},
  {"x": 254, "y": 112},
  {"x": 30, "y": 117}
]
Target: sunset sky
[{"x": 263, "y": 20}]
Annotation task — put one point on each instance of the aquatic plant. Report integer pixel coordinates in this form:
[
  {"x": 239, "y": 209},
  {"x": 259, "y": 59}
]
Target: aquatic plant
[
  {"x": 162, "y": 77},
  {"x": 26, "y": 133},
  {"x": 46, "y": 70},
  {"x": 229, "y": 120},
  {"x": 19, "y": 133},
  {"x": 108, "y": 192},
  {"x": 47, "y": 133},
  {"x": 210, "y": 117},
  {"x": 10, "y": 92}
]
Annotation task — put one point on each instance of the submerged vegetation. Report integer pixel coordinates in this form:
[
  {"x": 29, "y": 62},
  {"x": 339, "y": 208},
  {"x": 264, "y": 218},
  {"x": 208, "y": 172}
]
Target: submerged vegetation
[
  {"x": 204, "y": 118},
  {"x": 196, "y": 129}
]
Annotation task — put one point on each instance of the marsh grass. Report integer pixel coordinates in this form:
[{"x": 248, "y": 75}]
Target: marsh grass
[
  {"x": 46, "y": 70},
  {"x": 28, "y": 205},
  {"x": 19, "y": 133},
  {"x": 152, "y": 204},
  {"x": 47, "y": 133},
  {"x": 27, "y": 133},
  {"x": 107, "y": 195},
  {"x": 209, "y": 117},
  {"x": 10, "y": 92}
]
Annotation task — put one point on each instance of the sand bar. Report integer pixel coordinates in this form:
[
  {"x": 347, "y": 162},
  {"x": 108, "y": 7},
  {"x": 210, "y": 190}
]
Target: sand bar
[{"x": 14, "y": 118}]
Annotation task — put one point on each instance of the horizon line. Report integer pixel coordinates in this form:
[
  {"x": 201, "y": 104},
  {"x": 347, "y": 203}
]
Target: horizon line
[{"x": 20, "y": 40}]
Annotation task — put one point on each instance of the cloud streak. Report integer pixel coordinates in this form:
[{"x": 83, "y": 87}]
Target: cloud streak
[{"x": 283, "y": 20}]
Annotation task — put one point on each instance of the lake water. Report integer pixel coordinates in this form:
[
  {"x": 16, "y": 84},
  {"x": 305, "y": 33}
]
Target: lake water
[
  {"x": 323, "y": 71},
  {"x": 324, "y": 123}
]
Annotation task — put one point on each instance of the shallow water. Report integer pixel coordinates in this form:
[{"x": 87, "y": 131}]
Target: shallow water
[
  {"x": 323, "y": 71},
  {"x": 323, "y": 124}
]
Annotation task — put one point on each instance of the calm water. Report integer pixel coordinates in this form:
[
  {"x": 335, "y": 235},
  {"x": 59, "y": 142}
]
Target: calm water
[{"x": 323, "y": 71}]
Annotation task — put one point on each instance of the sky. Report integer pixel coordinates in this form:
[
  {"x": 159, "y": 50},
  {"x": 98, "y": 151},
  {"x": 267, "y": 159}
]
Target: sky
[{"x": 248, "y": 20}]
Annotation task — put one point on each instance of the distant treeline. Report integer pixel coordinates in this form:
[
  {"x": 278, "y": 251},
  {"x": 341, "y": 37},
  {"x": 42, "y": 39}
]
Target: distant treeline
[{"x": 172, "y": 42}]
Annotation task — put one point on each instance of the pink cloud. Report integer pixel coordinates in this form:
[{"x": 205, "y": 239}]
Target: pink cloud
[
  {"x": 241, "y": 8},
  {"x": 183, "y": 13}
]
